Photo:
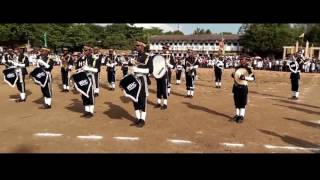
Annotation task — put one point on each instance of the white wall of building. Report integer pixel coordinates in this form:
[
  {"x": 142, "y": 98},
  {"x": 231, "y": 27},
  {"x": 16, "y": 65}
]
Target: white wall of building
[{"x": 211, "y": 47}]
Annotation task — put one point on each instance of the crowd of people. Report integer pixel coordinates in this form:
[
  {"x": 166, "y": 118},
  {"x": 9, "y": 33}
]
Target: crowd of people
[{"x": 310, "y": 65}]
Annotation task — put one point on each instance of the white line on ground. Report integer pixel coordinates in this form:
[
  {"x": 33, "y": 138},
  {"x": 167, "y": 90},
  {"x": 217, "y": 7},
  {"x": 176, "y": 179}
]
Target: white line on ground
[
  {"x": 127, "y": 138},
  {"x": 48, "y": 134},
  {"x": 90, "y": 137},
  {"x": 232, "y": 144},
  {"x": 12, "y": 99},
  {"x": 291, "y": 148},
  {"x": 179, "y": 141}
]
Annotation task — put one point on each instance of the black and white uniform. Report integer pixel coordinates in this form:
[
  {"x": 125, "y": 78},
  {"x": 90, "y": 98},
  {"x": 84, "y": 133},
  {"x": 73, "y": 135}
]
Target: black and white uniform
[
  {"x": 295, "y": 67},
  {"x": 97, "y": 64},
  {"x": 66, "y": 66},
  {"x": 124, "y": 66},
  {"x": 190, "y": 65},
  {"x": 141, "y": 71},
  {"x": 240, "y": 92},
  {"x": 170, "y": 65},
  {"x": 46, "y": 64},
  {"x": 20, "y": 63},
  {"x": 111, "y": 69},
  {"x": 218, "y": 68},
  {"x": 179, "y": 67},
  {"x": 162, "y": 88},
  {"x": 87, "y": 64}
]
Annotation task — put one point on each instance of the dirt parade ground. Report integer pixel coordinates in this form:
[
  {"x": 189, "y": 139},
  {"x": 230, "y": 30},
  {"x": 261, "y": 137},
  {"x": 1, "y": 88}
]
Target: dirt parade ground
[{"x": 273, "y": 122}]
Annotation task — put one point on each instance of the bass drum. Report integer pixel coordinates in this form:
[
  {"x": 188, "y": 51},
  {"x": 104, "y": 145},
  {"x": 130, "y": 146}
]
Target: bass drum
[
  {"x": 159, "y": 66},
  {"x": 40, "y": 76},
  {"x": 82, "y": 83},
  {"x": 10, "y": 76},
  {"x": 131, "y": 87}
]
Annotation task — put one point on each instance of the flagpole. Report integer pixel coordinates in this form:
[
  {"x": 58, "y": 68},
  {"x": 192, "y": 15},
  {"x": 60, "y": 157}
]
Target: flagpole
[{"x": 45, "y": 39}]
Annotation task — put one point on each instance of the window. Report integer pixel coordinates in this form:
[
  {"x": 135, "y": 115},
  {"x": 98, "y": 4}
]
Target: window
[
  {"x": 217, "y": 44},
  {"x": 157, "y": 43},
  {"x": 201, "y": 44},
  {"x": 180, "y": 44},
  {"x": 211, "y": 44},
  {"x": 229, "y": 43},
  {"x": 235, "y": 44},
  {"x": 206, "y": 44},
  {"x": 175, "y": 44},
  {"x": 170, "y": 44}
]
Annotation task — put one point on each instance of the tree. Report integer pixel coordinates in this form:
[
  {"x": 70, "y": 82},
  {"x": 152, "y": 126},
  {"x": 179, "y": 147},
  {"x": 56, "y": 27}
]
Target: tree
[
  {"x": 268, "y": 39},
  {"x": 201, "y": 31},
  {"x": 177, "y": 32}
]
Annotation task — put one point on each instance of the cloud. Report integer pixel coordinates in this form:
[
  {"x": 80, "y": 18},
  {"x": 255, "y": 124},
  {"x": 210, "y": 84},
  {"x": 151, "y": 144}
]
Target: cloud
[{"x": 164, "y": 27}]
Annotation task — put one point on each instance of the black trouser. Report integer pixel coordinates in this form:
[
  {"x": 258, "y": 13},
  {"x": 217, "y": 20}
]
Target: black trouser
[
  {"x": 89, "y": 100},
  {"x": 111, "y": 76},
  {"x": 124, "y": 72},
  {"x": 96, "y": 78},
  {"x": 295, "y": 81},
  {"x": 47, "y": 90},
  {"x": 240, "y": 95},
  {"x": 178, "y": 74},
  {"x": 142, "y": 100},
  {"x": 218, "y": 74},
  {"x": 169, "y": 77},
  {"x": 21, "y": 86},
  {"x": 162, "y": 90},
  {"x": 189, "y": 81},
  {"x": 64, "y": 75}
]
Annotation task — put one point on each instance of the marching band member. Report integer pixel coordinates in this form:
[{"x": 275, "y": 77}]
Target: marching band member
[
  {"x": 295, "y": 67},
  {"x": 162, "y": 83},
  {"x": 66, "y": 66},
  {"x": 170, "y": 60},
  {"x": 141, "y": 70},
  {"x": 17, "y": 63},
  {"x": 125, "y": 64},
  {"x": 179, "y": 68},
  {"x": 46, "y": 64},
  {"x": 87, "y": 63},
  {"x": 190, "y": 65},
  {"x": 22, "y": 63},
  {"x": 111, "y": 69},
  {"x": 240, "y": 91},
  {"x": 98, "y": 59},
  {"x": 218, "y": 69}
]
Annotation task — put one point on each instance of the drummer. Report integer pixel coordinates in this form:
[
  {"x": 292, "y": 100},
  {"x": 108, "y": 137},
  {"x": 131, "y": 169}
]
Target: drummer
[
  {"x": 162, "y": 84},
  {"x": 240, "y": 90},
  {"x": 46, "y": 63},
  {"x": 142, "y": 68}
]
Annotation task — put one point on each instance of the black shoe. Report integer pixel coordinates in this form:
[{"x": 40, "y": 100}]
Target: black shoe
[
  {"x": 168, "y": 94},
  {"x": 67, "y": 90},
  {"x": 96, "y": 94},
  {"x": 46, "y": 106},
  {"x": 20, "y": 100},
  {"x": 140, "y": 123},
  {"x": 164, "y": 107},
  {"x": 89, "y": 115},
  {"x": 157, "y": 106},
  {"x": 86, "y": 114},
  {"x": 240, "y": 119},
  {"x": 235, "y": 118}
]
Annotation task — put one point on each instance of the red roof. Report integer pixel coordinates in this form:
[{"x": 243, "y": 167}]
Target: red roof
[{"x": 194, "y": 38}]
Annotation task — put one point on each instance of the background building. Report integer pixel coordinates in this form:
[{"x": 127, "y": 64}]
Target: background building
[{"x": 202, "y": 44}]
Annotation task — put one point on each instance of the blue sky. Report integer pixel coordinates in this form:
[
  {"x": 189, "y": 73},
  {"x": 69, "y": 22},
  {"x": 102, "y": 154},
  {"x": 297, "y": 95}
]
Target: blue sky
[{"x": 189, "y": 28}]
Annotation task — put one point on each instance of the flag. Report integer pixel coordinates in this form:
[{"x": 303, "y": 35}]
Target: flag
[
  {"x": 45, "y": 39},
  {"x": 302, "y": 35}
]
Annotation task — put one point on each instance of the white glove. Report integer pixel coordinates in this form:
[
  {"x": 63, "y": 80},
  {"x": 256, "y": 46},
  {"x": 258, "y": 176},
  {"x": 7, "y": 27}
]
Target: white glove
[
  {"x": 3, "y": 61},
  {"x": 85, "y": 68},
  {"x": 70, "y": 67}
]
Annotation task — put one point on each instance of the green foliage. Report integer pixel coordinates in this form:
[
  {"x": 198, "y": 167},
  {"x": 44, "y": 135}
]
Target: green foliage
[{"x": 269, "y": 39}]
